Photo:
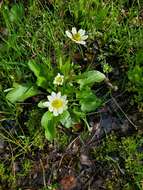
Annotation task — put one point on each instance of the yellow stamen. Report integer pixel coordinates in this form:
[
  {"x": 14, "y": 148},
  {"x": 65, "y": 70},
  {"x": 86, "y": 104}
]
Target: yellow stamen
[
  {"x": 77, "y": 37},
  {"x": 59, "y": 79},
  {"x": 57, "y": 103}
]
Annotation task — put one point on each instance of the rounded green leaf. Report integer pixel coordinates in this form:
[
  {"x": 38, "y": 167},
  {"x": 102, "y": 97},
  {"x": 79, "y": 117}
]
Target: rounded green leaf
[
  {"x": 48, "y": 123},
  {"x": 90, "y": 77},
  {"x": 66, "y": 120},
  {"x": 42, "y": 73},
  {"x": 40, "y": 104},
  {"x": 90, "y": 104},
  {"x": 21, "y": 93}
]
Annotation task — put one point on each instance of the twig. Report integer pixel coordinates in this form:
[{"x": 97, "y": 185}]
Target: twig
[
  {"x": 69, "y": 146},
  {"x": 124, "y": 112},
  {"x": 43, "y": 171}
]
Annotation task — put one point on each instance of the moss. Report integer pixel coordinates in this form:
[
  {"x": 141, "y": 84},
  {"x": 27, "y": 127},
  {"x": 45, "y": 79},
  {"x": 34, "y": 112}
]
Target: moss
[{"x": 123, "y": 158}]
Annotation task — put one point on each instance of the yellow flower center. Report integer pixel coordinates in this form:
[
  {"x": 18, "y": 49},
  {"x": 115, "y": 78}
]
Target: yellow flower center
[
  {"x": 77, "y": 37},
  {"x": 59, "y": 79},
  {"x": 57, "y": 103}
]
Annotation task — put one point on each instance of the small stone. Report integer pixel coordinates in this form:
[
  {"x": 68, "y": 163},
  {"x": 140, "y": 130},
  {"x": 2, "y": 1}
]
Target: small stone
[
  {"x": 84, "y": 159},
  {"x": 68, "y": 182}
]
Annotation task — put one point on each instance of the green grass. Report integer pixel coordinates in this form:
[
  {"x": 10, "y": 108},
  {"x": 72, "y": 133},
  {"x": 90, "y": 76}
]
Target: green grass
[{"x": 36, "y": 31}]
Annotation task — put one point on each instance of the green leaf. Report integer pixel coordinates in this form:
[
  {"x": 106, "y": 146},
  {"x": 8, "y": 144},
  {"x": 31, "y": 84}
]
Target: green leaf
[
  {"x": 42, "y": 73},
  {"x": 21, "y": 93},
  {"x": 90, "y": 104},
  {"x": 88, "y": 100},
  {"x": 42, "y": 82},
  {"x": 90, "y": 77},
  {"x": 78, "y": 114},
  {"x": 65, "y": 67},
  {"x": 49, "y": 124},
  {"x": 16, "y": 13},
  {"x": 40, "y": 104},
  {"x": 84, "y": 93},
  {"x": 66, "y": 120},
  {"x": 35, "y": 68}
]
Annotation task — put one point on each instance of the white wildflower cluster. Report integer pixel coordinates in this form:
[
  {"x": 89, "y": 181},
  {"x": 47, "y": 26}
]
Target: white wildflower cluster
[{"x": 56, "y": 102}]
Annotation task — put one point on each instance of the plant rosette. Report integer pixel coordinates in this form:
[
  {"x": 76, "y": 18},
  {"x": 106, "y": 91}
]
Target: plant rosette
[
  {"x": 59, "y": 112},
  {"x": 60, "y": 109}
]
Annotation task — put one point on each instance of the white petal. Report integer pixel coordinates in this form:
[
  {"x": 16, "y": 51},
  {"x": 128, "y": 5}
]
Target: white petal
[
  {"x": 55, "y": 82},
  {"x": 53, "y": 94},
  {"x": 65, "y": 107},
  {"x": 50, "y": 108},
  {"x": 81, "y": 32},
  {"x": 68, "y": 34},
  {"x": 81, "y": 42},
  {"x": 74, "y": 31},
  {"x": 55, "y": 113},
  {"x": 50, "y": 98},
  {"x": 59, "y": 94},
  {"x": 64, "y": 97},
  {"x": 84, "y": 37},
  {"x": 60, "y": 111},
  {"x": 75, "y": 40},
  {"x": 46, "y": 104}
]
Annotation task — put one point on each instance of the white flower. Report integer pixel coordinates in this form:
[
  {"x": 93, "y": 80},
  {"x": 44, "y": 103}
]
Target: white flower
[
  {"x": 59, "y": 79},
  {"x": 78, "y": 37},
  {"x": 56, "y": 104}
]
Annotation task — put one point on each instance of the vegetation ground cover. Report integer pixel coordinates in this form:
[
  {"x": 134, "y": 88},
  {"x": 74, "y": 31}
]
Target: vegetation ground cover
[{"x": 88, "y": 133}]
